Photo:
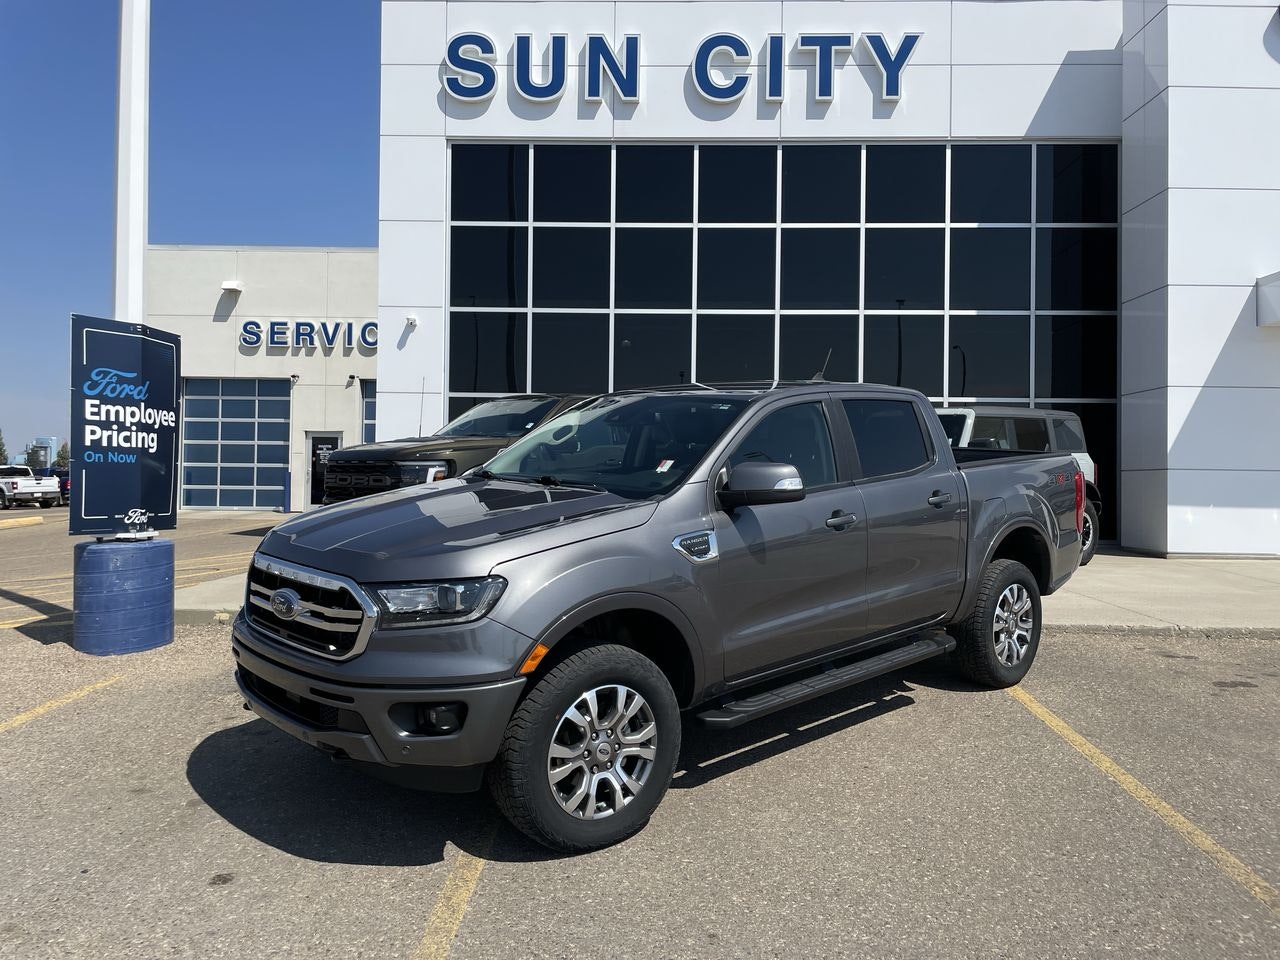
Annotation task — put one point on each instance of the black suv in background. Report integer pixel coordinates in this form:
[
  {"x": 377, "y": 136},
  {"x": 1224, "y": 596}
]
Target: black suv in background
[{"x": 463, "y": 443}]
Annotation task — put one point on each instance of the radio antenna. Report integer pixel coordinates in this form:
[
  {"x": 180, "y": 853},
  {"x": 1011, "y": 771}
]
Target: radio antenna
[{"x": 821, "y": 375}]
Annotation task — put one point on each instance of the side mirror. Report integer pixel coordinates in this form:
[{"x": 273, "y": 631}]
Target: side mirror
[{"x": 755, "y": 484}]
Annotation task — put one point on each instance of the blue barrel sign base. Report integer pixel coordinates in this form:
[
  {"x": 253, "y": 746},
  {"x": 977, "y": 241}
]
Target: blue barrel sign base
[{"x": 123, "y": 596}]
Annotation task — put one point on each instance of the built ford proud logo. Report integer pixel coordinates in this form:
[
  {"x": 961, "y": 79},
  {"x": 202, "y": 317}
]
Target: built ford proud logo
[{"x": 718, "y": 65}]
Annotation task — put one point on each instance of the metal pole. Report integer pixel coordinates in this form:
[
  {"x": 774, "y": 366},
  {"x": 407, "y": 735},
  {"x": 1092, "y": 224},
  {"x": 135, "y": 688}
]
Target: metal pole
[{"x": 131, "y": 162}]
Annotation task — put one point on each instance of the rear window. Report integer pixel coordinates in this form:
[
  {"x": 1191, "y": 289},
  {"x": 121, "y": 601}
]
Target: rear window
[
  {"x": 1010, "y": 433},
  {"x": 887, "y": 435},
  {"x": 952, "y": 426},
  {"x": 1068, "y": 434}
]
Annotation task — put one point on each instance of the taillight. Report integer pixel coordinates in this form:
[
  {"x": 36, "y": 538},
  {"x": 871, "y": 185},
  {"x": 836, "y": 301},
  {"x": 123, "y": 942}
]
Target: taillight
[{"x": 1079, "y": 501}]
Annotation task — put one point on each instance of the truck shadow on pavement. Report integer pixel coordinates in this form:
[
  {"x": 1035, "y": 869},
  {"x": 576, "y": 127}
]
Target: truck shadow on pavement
[{"x": 291, "y": 797}]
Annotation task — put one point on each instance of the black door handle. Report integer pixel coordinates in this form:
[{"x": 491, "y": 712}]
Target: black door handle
[
  {"x": 939, "y": 499},
  {"x": 839, "y": 520}
]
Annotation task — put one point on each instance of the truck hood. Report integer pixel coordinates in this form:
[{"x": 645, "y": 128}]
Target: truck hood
[
  {"x": 451, "y": 528},
  {"x": 419, "y": 448}
]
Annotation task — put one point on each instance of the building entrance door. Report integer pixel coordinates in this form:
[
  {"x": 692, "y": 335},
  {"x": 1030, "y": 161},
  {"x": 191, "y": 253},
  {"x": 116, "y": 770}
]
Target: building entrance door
[{"x": 321, "y": 445}]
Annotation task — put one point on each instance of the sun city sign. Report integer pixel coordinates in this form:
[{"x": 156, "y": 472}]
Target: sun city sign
[{"x": 718, "y": 67}]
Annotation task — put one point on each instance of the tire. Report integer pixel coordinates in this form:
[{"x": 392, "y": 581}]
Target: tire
[
  {"x": 977, "y": 655},
  {"x": 46, "y": 504},
  {"x": 520, "y": 779},
  {"x": 4, "y": 502},
  {"x": 1090, "y": 535}
]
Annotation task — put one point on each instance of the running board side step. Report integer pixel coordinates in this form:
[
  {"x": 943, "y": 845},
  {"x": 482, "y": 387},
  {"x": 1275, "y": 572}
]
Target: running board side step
[{"x": 737, "y": 712}]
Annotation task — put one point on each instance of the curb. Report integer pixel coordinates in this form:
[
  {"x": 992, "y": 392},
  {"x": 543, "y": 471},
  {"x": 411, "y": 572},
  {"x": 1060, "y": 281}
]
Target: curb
[
  {"x": 1171, "y": 630},
  {"x": 21, "y": 522}
]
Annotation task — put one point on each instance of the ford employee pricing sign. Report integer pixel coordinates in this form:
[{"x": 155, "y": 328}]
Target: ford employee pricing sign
[{"x": 124, "y": 427}]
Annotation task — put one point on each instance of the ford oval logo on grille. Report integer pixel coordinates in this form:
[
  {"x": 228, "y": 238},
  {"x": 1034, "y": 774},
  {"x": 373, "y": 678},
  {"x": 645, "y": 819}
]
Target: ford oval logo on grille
[{"x": 286, "y": 604}]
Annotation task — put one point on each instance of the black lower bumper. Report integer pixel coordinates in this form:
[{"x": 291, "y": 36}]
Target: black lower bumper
[{"x": 365, "y": 724}]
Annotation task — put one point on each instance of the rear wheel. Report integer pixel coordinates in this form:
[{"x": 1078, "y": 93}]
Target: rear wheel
[
  {"x": 997, "y": 642},
  {"x": 46, "y": 504},
  {"x": 589, "y": 753},
  {"x": 1088, "y": 533}
]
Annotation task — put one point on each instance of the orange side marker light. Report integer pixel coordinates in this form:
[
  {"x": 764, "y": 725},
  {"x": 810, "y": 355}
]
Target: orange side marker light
[{"x": 531, "y": 662}]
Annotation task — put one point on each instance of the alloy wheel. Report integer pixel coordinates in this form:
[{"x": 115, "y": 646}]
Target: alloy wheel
[
  {"x": 602, "y": 752},
  {"x": 1014, "y": 621}
]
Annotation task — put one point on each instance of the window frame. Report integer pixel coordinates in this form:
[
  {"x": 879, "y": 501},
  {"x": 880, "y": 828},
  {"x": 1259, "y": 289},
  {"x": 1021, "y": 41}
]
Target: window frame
[{"x": 930, "y": 447}]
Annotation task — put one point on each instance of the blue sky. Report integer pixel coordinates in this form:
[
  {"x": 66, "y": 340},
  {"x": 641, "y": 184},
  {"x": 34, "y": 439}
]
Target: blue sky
[{"x": 264, "y": 129}]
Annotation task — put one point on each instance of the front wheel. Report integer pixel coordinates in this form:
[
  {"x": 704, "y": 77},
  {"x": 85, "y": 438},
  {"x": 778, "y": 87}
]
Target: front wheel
[
  {"x": 1088, "y": 533},
  {"x": 589, "y": 753},
  {"x": 4, "y": 502},
  {"x": 997, "y": 642}
]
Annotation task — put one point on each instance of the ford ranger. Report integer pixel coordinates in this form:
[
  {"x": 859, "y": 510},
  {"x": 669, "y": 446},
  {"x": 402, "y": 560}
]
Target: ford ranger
[{"x": 545, "y": 621}]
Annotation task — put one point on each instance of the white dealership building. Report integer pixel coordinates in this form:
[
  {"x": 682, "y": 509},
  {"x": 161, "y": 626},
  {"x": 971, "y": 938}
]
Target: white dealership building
[{"x": 1065, "y": 203}]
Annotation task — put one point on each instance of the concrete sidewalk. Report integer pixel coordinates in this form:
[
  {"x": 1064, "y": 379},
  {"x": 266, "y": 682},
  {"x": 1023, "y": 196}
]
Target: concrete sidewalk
[{"x": 1117, "y": 591}]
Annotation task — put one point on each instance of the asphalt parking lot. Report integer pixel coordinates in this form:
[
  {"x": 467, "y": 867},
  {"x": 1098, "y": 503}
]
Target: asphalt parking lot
[{"x": 148, "y": 815}]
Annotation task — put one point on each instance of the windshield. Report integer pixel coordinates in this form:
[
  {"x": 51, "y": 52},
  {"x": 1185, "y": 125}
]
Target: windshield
[
  {"x": 633, "y": 446},
  {"x": 952, "y": 426},
  {"x": 500, "y": 418}
]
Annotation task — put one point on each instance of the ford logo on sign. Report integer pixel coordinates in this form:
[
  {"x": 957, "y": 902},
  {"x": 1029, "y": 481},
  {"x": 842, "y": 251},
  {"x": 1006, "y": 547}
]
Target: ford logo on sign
[{"x": 286, "y": 604}]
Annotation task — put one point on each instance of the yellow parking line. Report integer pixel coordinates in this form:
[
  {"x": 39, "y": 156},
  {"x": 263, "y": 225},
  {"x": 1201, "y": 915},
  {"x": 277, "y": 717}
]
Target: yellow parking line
[
  {"x": 44, "y": 708},
  {"x": 442, "y": 925},
  {"x": 1242, "y": 874}
]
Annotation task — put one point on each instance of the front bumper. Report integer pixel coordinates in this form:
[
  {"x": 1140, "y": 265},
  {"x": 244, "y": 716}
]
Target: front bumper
[{"x": 358, "y": 722}]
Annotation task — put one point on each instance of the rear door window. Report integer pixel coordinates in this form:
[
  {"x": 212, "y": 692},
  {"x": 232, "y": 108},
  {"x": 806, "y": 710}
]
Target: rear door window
[
  {"x": 888, "y": 436},
  {"x": 1030, "y": 433},
  {"x": 1009, "y": 433},
  {"x": 797, "y": 435}
]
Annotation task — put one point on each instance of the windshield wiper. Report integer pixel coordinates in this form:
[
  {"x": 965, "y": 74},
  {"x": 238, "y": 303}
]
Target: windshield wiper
[{"x": 546, "y": 480}]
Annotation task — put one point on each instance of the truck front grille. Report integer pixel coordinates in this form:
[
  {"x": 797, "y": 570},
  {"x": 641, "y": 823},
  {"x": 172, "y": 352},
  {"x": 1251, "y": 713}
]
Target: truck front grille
[
  {"x": 315, "y": 611},
  {"x": 346, "y": 479}
]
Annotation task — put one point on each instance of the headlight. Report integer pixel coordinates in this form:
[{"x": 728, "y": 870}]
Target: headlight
[
  {"x": 422, "y": 471},
  {"x": 434, "y": 604}
]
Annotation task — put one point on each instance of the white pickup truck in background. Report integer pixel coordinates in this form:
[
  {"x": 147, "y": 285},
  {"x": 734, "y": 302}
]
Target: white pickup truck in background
[{"x": 19, "y": 485}]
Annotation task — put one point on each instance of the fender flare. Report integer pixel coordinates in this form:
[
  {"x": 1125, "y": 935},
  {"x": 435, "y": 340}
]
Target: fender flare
[
  {"x": 574, "y": 618},
  {"x": 1017, "y": 523}
]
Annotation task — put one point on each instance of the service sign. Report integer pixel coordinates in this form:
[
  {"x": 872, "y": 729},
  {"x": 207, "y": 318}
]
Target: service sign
[{"x": 125, "y": 395}]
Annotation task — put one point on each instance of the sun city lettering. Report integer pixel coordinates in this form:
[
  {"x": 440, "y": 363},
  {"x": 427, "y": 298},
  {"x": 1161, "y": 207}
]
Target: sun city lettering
[
  {"x": 718, "y": 71},
  {"x": 120, "y": 425}
]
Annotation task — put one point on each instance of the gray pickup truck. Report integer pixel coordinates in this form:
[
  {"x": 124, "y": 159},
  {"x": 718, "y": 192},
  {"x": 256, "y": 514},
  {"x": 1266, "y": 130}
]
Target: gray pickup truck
[{"x": 723, "y": 553}]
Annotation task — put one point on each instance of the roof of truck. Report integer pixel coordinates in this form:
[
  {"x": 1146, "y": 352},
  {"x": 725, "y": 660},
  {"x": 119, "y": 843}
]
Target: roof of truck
[
  {"x": 763, "y": 387},
  {"x": 995, "y": 410}
]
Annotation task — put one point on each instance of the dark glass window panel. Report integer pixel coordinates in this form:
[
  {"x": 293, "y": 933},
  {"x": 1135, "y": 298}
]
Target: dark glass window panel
[
  {"x": 273, "y": 431},
  {"x": 653, "y": 268},
  {"x": 1076, "y": 183},
  {"x": 1099, "y": 422},
  {"x": 200, "y": 476},
  {"x": 991, "y": 183},
  {"x": 990, "y": 357},
  {"x": 368, "y": 390},
  {"x": 904, "y": 352},
  {"x": 819, "y": 269},
  {"x": 273, "y": 409},
  {"x": 797, "y": 435},
  {"x": 887, "y": 435},
  {"x": 733, "y": 349},
  {"x": 1076, "y": 269},
  {"x": 571, "y": 183},
  {"x": 200, "y": 430},
  {"x": 239, "y": 409},
  {"x": 486, "y": 353},
  {"x": 368, "y": 433},
  {"x": 735, "y": 269},
  {"x": 273, "y": 388},
  {"x": 570, "y": 267},
  {"x": 370, "y": 410},
  {"x": 268, "y": 498},
  {"x": 906, "y": 183},
  {"x": 236, "y": 430},
  {"x": 570, "y": 353},
  {"x": 199, "y": 498},
  {"x": 200, "y": 387},
  {"x": 737, "y": 184},
  {"x": 460, "y": 405},
  {"x": 273, "y": 453},
  {"x": 200, "y": 453},
  {"x": 990, "y": 269},
  {"x": 236, "y": 477},
  {"x": 821, "y": 183},
  {"x": 235, "y": 498},
  {"x": 1076, "y": 357},
  {"x": 651, "y": 350},
  {"x": 490, "y": 182},
  {"x": 271, "y": 476},
  {"x": 237, "y": 452},
  {"x": 239, "y": 388},
  {"x": 905, "y": 269},
  {"x": 806, "y": 341},
  {"x": 201, "y": 408},
  {"x": 488, "y": 266},
  {"x": 655, "y": 184}
]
